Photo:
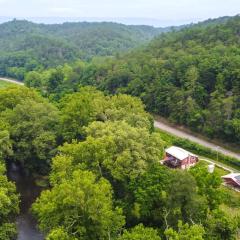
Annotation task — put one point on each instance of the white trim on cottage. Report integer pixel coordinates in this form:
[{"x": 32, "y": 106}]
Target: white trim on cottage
[{"x": 179, "y": 153}]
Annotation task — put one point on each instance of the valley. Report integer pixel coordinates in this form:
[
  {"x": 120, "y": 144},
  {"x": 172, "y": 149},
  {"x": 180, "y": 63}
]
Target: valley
[{"x": 80, "y": 143}]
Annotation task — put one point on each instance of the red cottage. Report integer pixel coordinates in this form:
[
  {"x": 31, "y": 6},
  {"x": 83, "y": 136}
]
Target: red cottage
[
  {"x": 177, "y": 157},
  {"x": 232, "y": 179}
]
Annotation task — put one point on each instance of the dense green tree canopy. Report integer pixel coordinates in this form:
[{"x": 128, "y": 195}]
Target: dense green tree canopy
[
  {"x": 185, "y": 232},
  {"x": 5, "y": 144},
  {"x": 31, "y": 125},
  {"x": 88, "y": 105},
  {"x": 80, "y": 109},
  {"x": 140, "y": 233},
  {"x": 82, "y": 205},
  {"x": 112, "y": 149},
  {"x": 208, "y": 185},
  {"x": 162, "y": 196},
  {"x": 221, "y": 226},
  {"x": 9, "y": 208},
  {"x": 59, "y": 233},
  {"x": 13, "y": 95}
]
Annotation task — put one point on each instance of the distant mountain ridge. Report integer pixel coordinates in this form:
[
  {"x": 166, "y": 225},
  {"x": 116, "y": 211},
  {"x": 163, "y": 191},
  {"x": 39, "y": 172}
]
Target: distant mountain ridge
[
  {"x": 92, "y": 39},
  {"x": 127, "y": 21},
  {"x": 25, "y": 46}
]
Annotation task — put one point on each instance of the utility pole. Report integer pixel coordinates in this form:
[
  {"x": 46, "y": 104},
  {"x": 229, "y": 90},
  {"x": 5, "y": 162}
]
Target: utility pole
[{"x": 217, "y": 149}]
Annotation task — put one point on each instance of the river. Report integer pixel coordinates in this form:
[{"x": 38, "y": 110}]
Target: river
[{"x": 29, "y": 191}]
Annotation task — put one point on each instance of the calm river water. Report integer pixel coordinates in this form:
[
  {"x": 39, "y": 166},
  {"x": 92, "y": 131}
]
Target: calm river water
[{"x": 26, "y": 225}]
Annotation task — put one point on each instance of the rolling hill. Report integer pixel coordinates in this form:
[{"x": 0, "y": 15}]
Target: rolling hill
[{"x": 25, "y": 46}]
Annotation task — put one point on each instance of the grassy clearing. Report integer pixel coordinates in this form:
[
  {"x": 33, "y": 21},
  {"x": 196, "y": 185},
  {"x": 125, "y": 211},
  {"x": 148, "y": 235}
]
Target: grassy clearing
[
  {"x": 4, "y": 84},
  {"x": 218, "y": 170}
]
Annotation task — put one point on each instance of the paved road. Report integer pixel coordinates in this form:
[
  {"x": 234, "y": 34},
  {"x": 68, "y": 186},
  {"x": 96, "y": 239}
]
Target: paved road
[
  {"x": 205, "y": 143},
  {"x": 11, "y": 81}
]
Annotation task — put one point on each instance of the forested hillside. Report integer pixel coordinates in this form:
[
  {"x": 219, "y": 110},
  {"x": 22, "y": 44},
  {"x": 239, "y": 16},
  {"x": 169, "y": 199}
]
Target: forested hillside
[
  {"x": 25, "y": 46},
  {"x": 190, "y": 76}
]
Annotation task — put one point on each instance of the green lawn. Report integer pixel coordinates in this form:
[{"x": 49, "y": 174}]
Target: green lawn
[
  {"x": 218, "y": 170},
  {"x": 4, "y": 84},
  {"x": 200, "y": 150}
]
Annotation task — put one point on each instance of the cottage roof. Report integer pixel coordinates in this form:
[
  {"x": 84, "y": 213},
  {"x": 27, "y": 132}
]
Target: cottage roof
[
  {"x": 234, "y": 176},
  {"x": 179, "y": 153}
]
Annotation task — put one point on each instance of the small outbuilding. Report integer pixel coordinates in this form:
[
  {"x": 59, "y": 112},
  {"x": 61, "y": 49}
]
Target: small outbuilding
[
  {"x": 232, "y": 179},
  {"x": 177, "y": 157}
]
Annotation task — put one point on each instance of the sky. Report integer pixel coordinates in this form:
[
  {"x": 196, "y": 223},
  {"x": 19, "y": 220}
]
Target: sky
[{"x": 154, "y": 12}]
